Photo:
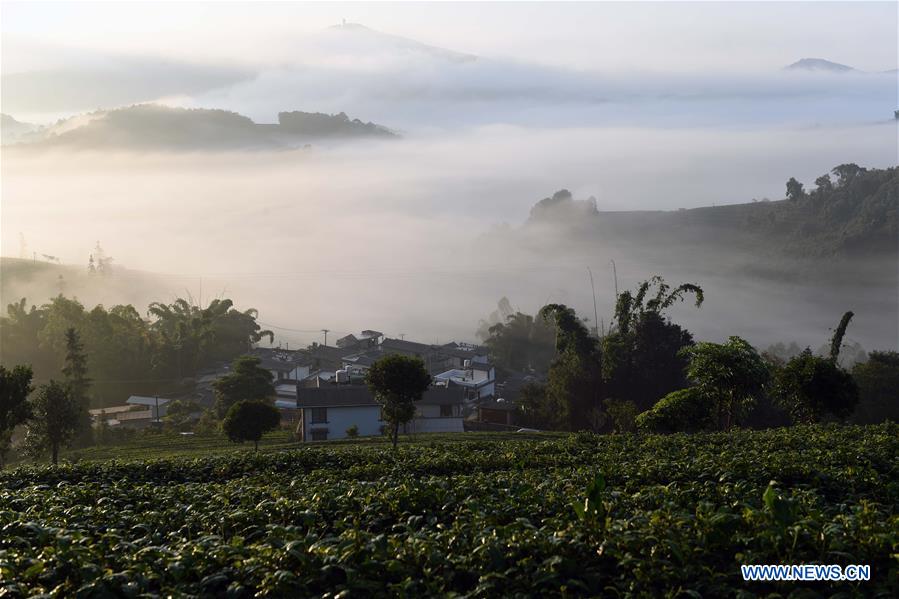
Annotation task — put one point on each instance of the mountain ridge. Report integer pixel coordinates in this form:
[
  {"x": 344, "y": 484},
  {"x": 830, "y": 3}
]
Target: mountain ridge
[{"x": 154, "y": 126}]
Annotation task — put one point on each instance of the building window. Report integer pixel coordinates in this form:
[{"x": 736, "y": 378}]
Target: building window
[
  {"x": 446, "y": 411},
  {"x": 319, "y": 415},
  {"x": 319, "y": 434}
]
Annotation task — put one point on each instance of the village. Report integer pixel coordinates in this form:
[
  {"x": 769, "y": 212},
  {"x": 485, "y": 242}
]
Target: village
[{"x": 321, "y": 393}]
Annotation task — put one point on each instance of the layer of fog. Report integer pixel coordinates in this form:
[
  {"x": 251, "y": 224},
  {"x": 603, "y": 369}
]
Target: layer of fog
[
  {"x": 406, "y": 84},
  {"x": 397, "y": 236}
]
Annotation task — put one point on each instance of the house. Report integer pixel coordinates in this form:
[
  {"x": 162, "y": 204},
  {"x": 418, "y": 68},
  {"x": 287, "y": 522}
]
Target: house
[
  {"x": 326, "y": 357},
  {"x": 457, "y": 353},
  {"x": 366, "y": 339},
  {"x": 327, "y": 412},
  {"x": 285, "y": 365},
  {"x": 122, "y": 416},
  {"x": 496, "y": 411},
  {"x": 156, "y": 405},
  {"x": 478, "y": 379}
]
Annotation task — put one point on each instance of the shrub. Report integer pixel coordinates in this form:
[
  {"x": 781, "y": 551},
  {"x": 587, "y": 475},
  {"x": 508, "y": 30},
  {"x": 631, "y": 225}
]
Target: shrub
[
  {"x": 686, "y": 410},
  {"x": 812, "y": 388},
  {"x": 352, "y": 432},
  {"x": 623, "y": 414},
  {"x": 878, "y": 385}
]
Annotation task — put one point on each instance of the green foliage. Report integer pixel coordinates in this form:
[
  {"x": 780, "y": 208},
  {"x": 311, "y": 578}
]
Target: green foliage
[
  {"x": 641, "y": 355},
  {"x": 522, "y": 343},
  {"x": 574, "y": 384},
  {"x": 15, "y": 386},
  {"x": 811, "y": 388},
  {"x": 533, "y": 409},
  {"x": 352, "y": 432},
  {"x": 591, "y": 510},
  {"x": 126, "y": 354},
  {"x": 179, "y": 414},
  {"x": 836, "y": 343},
  {"x": 397, "y": 381},
  {"x": 249, "y": 420},
  {"x": 246, "y": 381},
  {"x": 475, "y": 519},
  {"x": 622, "y": 413},
  {"x": 733, "y": 375},
  {"x": 55, "y": 419},
  {"x": 687, "y": 410},
  {"x": 856, "y": 216},
  {"x": 878, "y": 385},
  {"x": 78, "y": 382}
]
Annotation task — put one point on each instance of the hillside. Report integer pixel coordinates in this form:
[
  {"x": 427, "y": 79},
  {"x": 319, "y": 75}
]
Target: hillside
[
  {"x": 853, "y": 213},
  {"x": 155, "y": 127}
]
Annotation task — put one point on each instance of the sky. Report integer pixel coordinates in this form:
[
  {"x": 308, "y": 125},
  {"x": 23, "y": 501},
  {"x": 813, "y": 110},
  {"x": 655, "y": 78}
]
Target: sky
[
  {"x": 644, "y": 106},
  {"x": 653, "y": 36}
]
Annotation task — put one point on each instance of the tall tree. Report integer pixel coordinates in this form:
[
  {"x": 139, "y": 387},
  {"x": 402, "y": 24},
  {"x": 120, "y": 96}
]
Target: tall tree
[
  {"x": 76, "y": 378},
  {"x": 15, "y": 385},
  {"x": 55, "y": 420},
  {"x": 246, "y": 381},
  {"x": 574, "y": 389},
  {"x": 642, "y": 359},
  {"x": 794, "y": 190},
  {"x": 397, "y": 382},
  {"x": 521, "y": 343},
  {"x": 836, "y": 343},
  {"x": 249, "y": 420},
  {"x": 878, "y": 383}
]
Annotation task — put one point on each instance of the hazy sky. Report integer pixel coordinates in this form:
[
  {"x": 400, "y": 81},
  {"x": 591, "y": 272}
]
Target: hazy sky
[
  {"x": 611, "y": 35},
  {"x": 642, "y": 105}
]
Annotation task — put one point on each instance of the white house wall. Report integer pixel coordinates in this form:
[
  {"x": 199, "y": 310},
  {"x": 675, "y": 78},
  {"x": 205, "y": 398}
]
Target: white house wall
[{"x": 367, "y": 418}]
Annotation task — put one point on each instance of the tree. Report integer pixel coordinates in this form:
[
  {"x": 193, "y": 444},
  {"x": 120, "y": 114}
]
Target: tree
[
  {"x": 15, "y": 385},
  {"x": 249, "y": 420},
  {"x": 794, "y": 189},
  {"x": 642, "y": 359},
  {"x": 55, "y": 420},
  {"x": 179, "y": 414},
  {"x": 534, "y": 410},
  {"x": 836, "y": 343},
  {"x": 811, "y": 388},
  {"x": 397, "y": 382},
  {"x": 574, "y": 386},
  {"x": 846, "y": 173},
  {"x": 824, "y": 184},
  {"x": 77, "y": 381},
  {"x": 878, "y": 385},
  {"x": 733, "y": 375},
  {"x": 521, "y": 343},
  {"x": 246, "y": 381}
]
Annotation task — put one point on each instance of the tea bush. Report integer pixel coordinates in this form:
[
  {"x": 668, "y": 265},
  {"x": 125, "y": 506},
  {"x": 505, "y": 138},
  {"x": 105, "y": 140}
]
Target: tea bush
[{"x": 657, "y": 515}]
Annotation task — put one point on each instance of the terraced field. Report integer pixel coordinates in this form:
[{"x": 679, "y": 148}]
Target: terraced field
[{"x": 574, "y": 516}]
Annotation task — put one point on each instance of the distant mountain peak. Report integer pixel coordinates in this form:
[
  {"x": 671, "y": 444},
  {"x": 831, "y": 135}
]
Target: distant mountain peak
[
  {"x": 375, "y": 40},
  {"x": 819, "y": 64}
]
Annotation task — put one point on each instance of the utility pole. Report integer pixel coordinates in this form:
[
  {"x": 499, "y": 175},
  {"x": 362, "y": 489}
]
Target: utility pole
[
  {"x": 325, "y": 331},
  {"x": 595, "y": 312},
  {"x": 615, "y": 273}
]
